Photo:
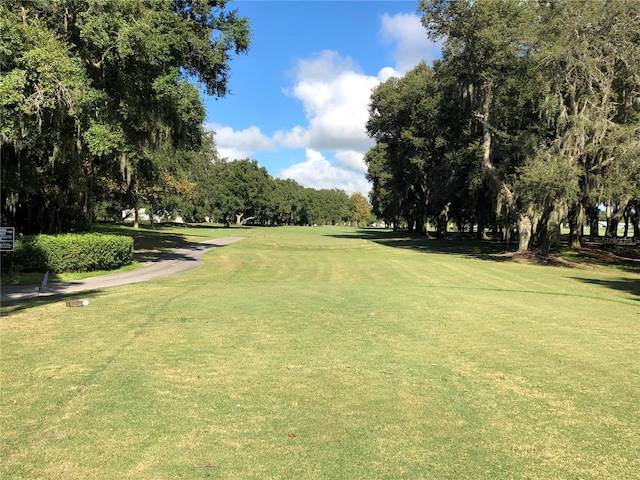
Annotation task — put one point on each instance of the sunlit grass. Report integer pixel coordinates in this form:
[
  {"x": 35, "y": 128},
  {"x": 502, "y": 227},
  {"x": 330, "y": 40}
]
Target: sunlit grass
[{"x": 330, "y": 353}]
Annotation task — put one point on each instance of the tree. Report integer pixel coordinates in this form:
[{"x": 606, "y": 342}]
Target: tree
[
  {"x": 590, "y": 59},
  {"x": 385, "y": 201},
  {"x": 359, "y": 209},
  {"x": 96, "y": 93},
  {"x": 287, "y": 202},
  {"x": 324, "y": 207},
  {"x": 403, "y": 119},
  {"x": 487, "y": 51},
  {"x": 548, "y": 185},
  {"x": 539, "y": 101},
  {"x": 44, "y": 90},
  {"x": 244, "y": 190}
]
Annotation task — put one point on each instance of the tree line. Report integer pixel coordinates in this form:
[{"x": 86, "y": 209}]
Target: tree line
[
  {"x": 242, "y": 192},
  {"x": 530, "y": 119}
]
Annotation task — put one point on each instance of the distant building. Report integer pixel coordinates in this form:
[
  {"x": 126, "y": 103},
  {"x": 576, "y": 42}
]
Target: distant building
[{"x": 128, "y": 216}]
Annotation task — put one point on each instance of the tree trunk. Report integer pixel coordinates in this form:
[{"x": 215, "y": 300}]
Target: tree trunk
[
  {"x": 592, "y": 213},
  {"x": 524, "y": 232},
  {"x": 411, "y": 223},
  {"x": 614, "y": 216},
  {"x": 626, "y": 215},
  {"x": 575, "y": 236},
  {"x": 443, "y": 220},
  {"x": 242, "y": 221},
  {"x": 523, "y": 222},
  {"x": 550, "y": 230},
  {"x": 480, "y": 232},
  {"x": 576, "y": 219},
  {"x": 136, "y": 217},
  {"x": 505, "y": 233},
  {"x": 549, "y": 237}
]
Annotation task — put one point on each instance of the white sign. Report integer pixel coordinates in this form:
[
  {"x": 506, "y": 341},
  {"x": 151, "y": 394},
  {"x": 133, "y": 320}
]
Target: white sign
[{"x": 7, "y": 239}]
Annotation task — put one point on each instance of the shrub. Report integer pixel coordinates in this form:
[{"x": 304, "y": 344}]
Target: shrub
[
  {"x": 69, "y": 253},
  {"x": 26, "y": 257}
]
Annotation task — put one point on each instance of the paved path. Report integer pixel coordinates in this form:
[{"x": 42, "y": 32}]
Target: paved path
[{"x": 176, "y": 261}]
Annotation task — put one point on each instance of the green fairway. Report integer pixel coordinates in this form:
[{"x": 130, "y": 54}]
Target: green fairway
[{"x": 330, "y": 353}]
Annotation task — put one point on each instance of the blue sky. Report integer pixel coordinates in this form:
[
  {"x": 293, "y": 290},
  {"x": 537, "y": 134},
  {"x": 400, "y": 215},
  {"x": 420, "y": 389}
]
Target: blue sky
[{"x": 298, "y": 101}]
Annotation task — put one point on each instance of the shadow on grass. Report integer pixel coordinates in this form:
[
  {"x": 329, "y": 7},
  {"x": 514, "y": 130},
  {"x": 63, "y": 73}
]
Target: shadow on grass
[
  {"x": 145, "y": 238},
  {"x": 593, "y": 255},
  {"x": 211, "y": 226},
  {"x": 622, "y": 284},
  {"x": 152, "y": 244},
  {"x": 458, "y": 245},
  {"x": 11, "y": 307},
  {"x": 623, "y": 257}
]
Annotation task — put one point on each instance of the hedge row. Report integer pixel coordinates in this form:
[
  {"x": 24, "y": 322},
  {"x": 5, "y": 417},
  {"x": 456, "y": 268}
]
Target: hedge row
[{"x": 71, "y": 252}]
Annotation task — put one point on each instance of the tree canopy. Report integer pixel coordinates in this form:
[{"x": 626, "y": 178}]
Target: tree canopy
[
  {"x": 99, "y": 104},
  {"x": 530, "y": 118}
]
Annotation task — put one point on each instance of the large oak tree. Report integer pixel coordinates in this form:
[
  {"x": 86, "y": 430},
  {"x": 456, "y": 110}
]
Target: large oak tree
[{"x": 97, "y": 98}]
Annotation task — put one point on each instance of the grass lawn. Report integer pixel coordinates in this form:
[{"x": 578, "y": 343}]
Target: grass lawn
[{"x": 330, "y": 353}]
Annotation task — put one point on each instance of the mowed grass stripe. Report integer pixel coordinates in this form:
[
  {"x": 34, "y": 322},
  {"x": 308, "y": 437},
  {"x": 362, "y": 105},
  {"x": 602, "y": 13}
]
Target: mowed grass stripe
[
  {"x": 357, "y": 261},
  {"x": 335, "y": 359}
]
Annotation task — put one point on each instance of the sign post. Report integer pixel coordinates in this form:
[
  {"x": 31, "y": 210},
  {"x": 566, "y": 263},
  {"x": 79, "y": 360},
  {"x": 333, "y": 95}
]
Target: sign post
[{"x": 7, "y": 239}]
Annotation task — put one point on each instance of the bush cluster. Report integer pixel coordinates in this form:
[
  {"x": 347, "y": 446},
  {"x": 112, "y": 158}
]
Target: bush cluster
[{"x": 69, "y": 253}]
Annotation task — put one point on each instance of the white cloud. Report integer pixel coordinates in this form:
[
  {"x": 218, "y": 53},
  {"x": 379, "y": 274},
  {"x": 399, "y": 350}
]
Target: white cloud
[
  {"x": 317, "y": 172},
  {"x": 240, "y": 144},
  {"x": 387, "y": 72},
  {"x": 352, "y": 160},
  {"x": 234, "y": 153},
  {"x": 324, "y": 66},
  {"x": 335, "y": 96},
  {"x": 410, "y": 37}
]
